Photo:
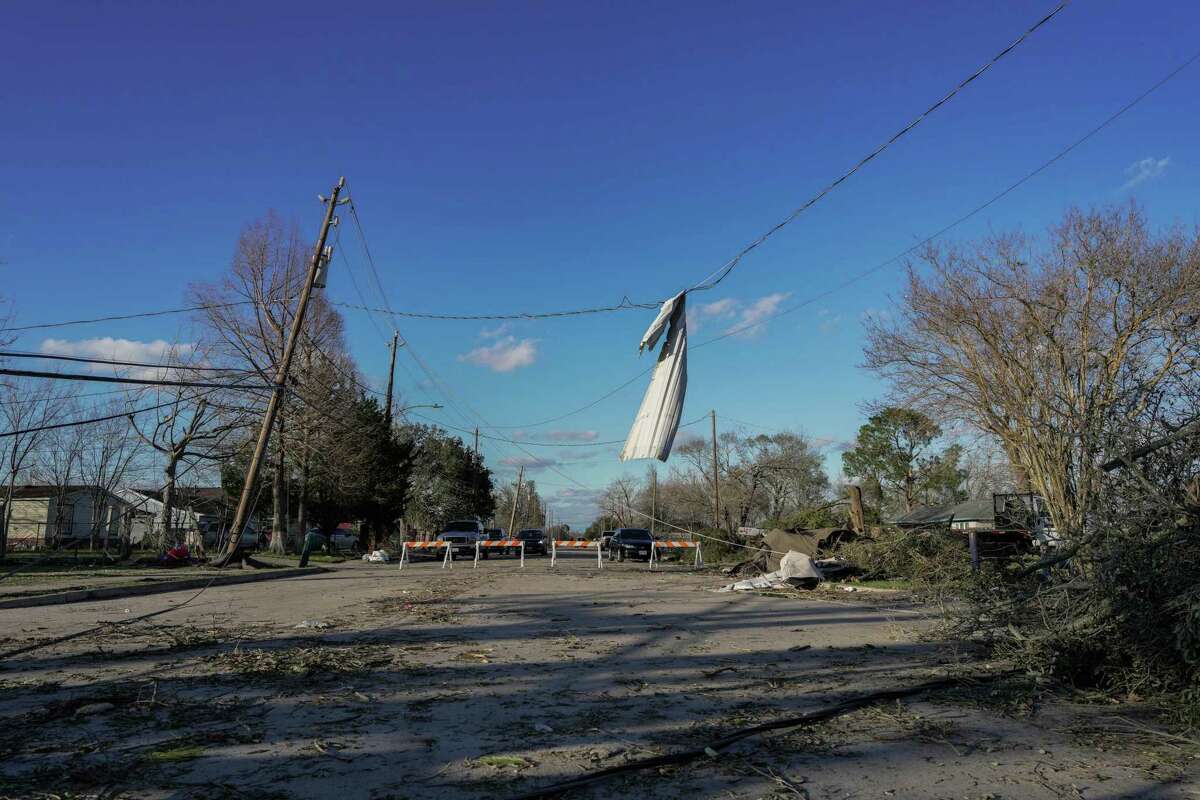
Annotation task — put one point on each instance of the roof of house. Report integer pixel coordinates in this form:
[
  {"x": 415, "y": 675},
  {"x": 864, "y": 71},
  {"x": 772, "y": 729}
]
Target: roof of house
[
  {"x": 45, "y": 490},
  {"x": 977, "y": 510}
]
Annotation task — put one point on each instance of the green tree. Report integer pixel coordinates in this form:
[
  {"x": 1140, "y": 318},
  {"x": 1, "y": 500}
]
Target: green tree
[
  {"x": 448, "y": 480},
  {"x": 895, "y": 456}
]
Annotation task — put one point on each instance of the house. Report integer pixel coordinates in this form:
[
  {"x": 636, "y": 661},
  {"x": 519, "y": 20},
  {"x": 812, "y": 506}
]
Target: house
[
  {"x": 58, "y": 515},
  {"x": 147, "y": 522}
]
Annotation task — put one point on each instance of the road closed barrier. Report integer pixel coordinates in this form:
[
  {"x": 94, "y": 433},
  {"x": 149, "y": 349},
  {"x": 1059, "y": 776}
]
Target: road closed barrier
[
  {"x": 481, "y": 544},
  {"x": 671, "y": 544},
  {"x": 575, "y": 544},
  {"x": 448, "y": 561}
]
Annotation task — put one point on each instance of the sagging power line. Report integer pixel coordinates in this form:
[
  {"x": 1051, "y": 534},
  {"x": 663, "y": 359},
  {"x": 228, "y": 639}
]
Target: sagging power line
[{"x": 77, "y": 376}]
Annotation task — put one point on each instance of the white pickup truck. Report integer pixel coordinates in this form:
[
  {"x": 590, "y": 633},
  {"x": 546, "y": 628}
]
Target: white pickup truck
[{"x": 462, "y": 535}]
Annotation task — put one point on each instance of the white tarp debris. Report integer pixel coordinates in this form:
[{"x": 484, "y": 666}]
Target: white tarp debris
[
  {"x": 377, "y": 557},
  {"x": 794, "y": 568},
  {"x": 654, "y": 427}
]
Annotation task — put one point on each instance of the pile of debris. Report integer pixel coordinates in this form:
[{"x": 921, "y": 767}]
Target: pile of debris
[{"x": 798, "y": 557}]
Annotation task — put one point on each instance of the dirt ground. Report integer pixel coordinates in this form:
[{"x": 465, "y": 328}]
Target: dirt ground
[{"x": 431, "y": 683}]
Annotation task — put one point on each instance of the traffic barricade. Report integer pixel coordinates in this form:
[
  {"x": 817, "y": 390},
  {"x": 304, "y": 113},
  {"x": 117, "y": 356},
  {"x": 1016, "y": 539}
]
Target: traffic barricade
[
  {"x": 489, "y": 543},
  {"x": 575, "y": 544},
  {"x": 448, "y": 561},
  {"x": 672, "y": 544}
]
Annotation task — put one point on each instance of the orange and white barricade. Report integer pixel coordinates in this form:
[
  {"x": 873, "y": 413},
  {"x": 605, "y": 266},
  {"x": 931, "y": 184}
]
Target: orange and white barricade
[
  {"x": 448, "y": 561},
  {"x": 481, "y": 543},
  {"x": 575, "y": 544},
  {"x": 675, "y": 544}
]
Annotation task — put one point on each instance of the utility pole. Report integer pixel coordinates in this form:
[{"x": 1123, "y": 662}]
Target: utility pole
[
  {"x": 391, "y": 379},
  {"x": 716, "y": 475},
  {"x": 653, "y": 499},
  {"x": 512, "y": 519},
  {"x": 317, "y": 267},
  {"x": 475, "y": 470}
]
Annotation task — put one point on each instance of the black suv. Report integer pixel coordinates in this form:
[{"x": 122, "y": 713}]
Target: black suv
[
  {"x": 535, "y": 541},
  {"x": 631, "y": 543}
]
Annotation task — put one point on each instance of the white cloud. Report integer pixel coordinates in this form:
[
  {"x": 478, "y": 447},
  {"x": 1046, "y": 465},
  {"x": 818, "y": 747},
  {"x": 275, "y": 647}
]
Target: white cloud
[
  {"x": 753, "y": 319},
  {"x": 577, "y": 506},
  {"x": 829, "y": 321},
  {"x": 700, "y": 312},
  {"x": 505, "y": 355},
  {"x": 721, "y": 308},
  {"x": 109, "y": 349},
  {"x": 531, "y": 464},
  {"x": 556, "y": 436},
  {"x": 1144, "y": 170},
  {"x": 496, "y": 332},
  {"x": 572, "y": 436}
]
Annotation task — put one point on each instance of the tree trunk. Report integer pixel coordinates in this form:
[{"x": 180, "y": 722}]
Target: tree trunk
[
  {"x": 302, "y": 500},
  {"x": 8, "y": 497},
  {"x": 168, "y": 500},
  {"x": 278, "y": 520}
]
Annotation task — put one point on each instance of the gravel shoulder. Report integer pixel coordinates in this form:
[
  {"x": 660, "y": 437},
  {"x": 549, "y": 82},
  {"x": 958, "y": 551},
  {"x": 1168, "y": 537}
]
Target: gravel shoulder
[{"x": 431, "y": 683}]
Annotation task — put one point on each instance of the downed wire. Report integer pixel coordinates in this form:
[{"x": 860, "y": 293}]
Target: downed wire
[{"x": 714, "y": 747}]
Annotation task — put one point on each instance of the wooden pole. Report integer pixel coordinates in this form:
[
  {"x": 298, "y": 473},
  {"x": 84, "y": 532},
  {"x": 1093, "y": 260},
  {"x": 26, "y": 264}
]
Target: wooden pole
[
  {"x": 391, "y": 378},
  {"x": 512, "y": 519},
  {"x": 653, "y": 499},
  {"x": 716, "y": 475},
  {"x": 250, "y": 486}
]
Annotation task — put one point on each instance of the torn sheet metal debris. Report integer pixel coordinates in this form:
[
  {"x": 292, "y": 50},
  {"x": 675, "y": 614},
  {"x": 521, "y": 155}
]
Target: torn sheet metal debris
[
  {"x": 795, "y": 569},
  {"x": 657, "y": 420}
]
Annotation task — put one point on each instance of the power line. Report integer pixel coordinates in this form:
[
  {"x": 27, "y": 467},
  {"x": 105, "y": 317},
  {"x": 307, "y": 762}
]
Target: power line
[
  {"x": 514, "y": 441},
  {"x": 117, "y": 317},
  {"x": 30, "y": 401},
  {"x": 625, "y": 305},
  {"x": 973, "y": 212},
  {"x": 910, "y": 250},
  {"x": 75, "y": 376},
  {"x": 362, "y": 237},
  {"x": 723, "y": 272},
  {"x": 78, "y": 422},
  {"x": 115, "y": 363}
]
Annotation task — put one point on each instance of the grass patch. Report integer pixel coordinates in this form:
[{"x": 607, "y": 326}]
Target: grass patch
[
  {"x": 500, "y": 762},
  {"x": 171, "y": 755}
]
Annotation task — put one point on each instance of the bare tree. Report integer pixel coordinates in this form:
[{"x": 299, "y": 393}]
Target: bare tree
[
  {"x": 27, "y": 407},
  {"x": 246, "y": 317},
  {"x": 1056, "y": 347},
  {"x": 58, "y": 465},
  {"x": 110, "y": 449}
]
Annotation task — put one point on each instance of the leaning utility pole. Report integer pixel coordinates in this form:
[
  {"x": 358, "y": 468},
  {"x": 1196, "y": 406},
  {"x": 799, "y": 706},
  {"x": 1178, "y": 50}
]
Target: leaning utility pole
[
  {"x": 512, "y": 518},
  {"x": 316, "y": 270},
  {"x": 391, "y": 378},
  {"x": 716, "y": 475}
]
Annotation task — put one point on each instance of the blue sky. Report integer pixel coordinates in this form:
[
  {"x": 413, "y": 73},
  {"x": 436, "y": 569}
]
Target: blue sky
[{"x": 528, "y": 157}]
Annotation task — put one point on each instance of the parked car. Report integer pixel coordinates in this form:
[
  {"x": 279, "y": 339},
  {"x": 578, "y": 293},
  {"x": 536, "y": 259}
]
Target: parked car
[
  {"x": 630, "y": 543},
  {"x": 535, "y": 541},
  {"x": 343, "y": 540},
  {"x": 605, "y": 539},
  {"x": 462, "y": 535}
]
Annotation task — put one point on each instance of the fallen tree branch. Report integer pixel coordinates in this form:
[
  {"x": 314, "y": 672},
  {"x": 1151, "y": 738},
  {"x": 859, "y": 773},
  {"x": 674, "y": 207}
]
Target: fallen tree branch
[{"x": 715, "y": 747}]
